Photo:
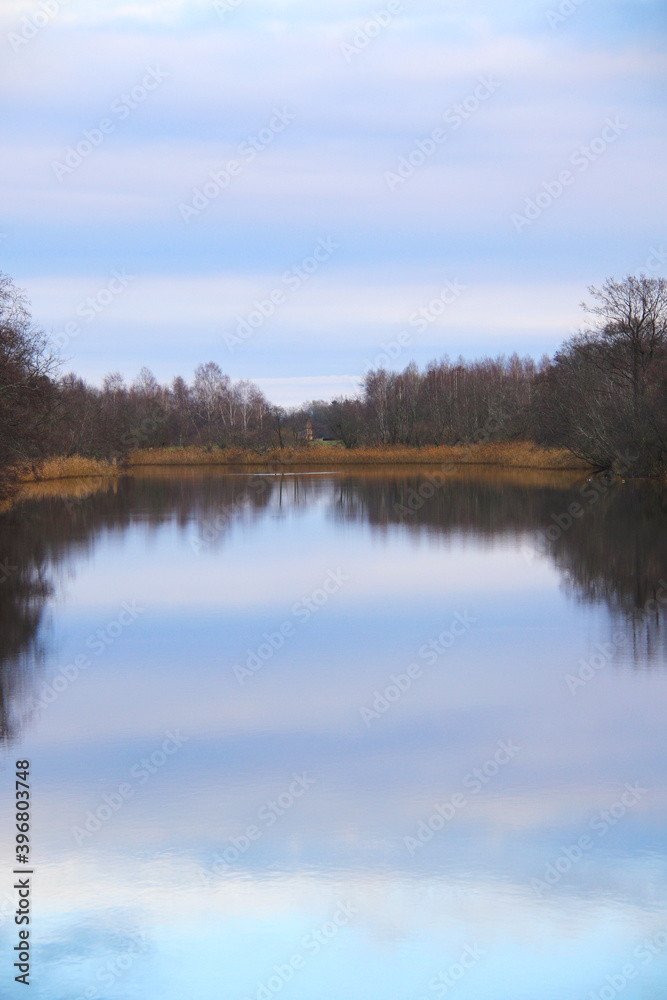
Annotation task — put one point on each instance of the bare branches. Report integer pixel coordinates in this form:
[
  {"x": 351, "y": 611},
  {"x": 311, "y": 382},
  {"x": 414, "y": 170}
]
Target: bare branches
[
  {"x": 604, "y": 395},
  {"x": 27, "y": 366},
  {"x": 605, "y": 392}
]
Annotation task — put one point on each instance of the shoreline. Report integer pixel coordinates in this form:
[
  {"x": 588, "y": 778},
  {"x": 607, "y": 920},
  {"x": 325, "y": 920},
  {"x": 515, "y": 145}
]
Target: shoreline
[
  {"x": 74, "y": 467},
  {"x": 518, "y": 455},
  {"x": 514, "y": 455}
]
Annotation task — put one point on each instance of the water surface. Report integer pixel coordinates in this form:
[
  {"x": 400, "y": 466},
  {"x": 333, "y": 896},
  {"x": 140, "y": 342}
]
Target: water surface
[{"x": 369, "y": 734}]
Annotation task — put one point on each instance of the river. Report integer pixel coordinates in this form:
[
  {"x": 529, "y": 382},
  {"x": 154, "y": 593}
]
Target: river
[{"x": 364, "y": 734}]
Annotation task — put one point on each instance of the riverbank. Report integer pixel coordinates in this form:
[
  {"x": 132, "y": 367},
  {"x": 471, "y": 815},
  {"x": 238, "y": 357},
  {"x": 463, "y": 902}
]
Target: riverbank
[
  {"x": 505, "y": 455},
  {"x": 74, "y": 467},
  {"x": 72, "y": 478},
  {"x": 516, "y": 454}
]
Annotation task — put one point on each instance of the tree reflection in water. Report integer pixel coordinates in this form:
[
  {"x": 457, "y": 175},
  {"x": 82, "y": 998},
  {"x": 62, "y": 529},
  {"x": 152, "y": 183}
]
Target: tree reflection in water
[{"x": 614, "y": 555}]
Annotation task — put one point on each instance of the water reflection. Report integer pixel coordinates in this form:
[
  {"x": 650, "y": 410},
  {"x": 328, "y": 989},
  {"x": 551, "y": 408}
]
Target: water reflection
[
  {"x": 433, "y": 817},
  {"x": 615, "y": 553}
]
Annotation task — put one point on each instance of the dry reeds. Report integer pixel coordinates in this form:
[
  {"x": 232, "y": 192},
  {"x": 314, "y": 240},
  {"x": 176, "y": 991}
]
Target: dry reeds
[
  {"x": 512, "y": 454},
  {"x": 74, "y": 467}
]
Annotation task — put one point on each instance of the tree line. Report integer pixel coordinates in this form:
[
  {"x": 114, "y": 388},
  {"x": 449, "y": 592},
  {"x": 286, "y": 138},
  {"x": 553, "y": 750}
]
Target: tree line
[{"x": 603, "y": 396}]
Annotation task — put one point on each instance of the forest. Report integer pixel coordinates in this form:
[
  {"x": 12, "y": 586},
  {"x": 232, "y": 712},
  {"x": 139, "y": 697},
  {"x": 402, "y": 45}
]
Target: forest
[{"x": 602, "y": 396}]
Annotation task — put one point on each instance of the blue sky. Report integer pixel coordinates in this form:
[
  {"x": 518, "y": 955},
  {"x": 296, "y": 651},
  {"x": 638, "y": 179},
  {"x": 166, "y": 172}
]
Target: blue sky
[{"x": 334, "y": 96}]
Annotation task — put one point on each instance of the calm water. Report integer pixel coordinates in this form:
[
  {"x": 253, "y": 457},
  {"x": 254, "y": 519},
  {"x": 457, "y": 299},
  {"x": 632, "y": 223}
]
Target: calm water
[{"x": 322, "y": 737}]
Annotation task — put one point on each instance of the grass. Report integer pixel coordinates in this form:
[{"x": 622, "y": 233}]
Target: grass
[
  {"x": 519, "y": 461},
  {"x": 513, "y": 454},
  {"x": 72, "y": 478},
  {"x": 74, "y": 467},
  {"x": 503, "y": 455}
]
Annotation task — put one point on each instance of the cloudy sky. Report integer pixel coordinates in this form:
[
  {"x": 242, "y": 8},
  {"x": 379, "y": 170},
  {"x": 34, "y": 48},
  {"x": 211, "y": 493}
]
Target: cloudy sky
[{"x": 300, "y": 190}]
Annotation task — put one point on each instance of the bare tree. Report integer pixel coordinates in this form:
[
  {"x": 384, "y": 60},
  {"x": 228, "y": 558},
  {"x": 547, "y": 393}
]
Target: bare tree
[
  {"x": 209, "y": 390},
  {"x": 27, "y": 365},
  {"x": 604, "y": 395}
]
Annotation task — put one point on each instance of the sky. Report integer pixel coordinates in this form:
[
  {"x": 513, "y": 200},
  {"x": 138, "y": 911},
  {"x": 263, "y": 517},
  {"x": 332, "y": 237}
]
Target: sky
[{"x": 301, "y": 191}]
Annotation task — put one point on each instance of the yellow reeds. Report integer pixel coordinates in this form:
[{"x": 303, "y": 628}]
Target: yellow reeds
[
  {"x": 512, "y": 454},
  {"x": 73, "y": 467}
]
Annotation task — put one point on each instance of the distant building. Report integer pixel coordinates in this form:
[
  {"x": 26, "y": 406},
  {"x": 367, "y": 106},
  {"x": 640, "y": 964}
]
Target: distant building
[{"x": 309, "y": 430}]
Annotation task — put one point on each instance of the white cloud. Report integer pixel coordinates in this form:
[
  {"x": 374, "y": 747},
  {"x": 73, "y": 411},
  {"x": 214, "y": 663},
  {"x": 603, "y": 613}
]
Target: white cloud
[
  {"x": 340, "y": 300},
  {"x": 293, "y": 391},
  {"x": 325, "y": 174}
]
